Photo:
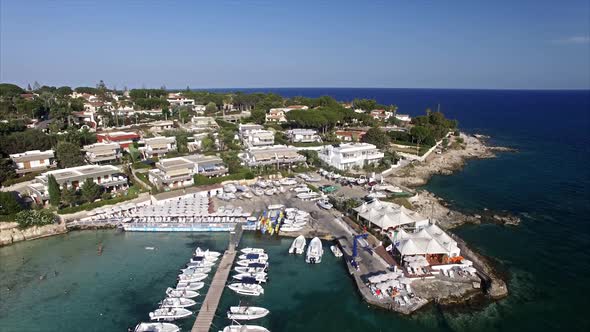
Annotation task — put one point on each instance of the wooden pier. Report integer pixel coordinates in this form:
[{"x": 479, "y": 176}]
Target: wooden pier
[{"x": 209, "y": 306}]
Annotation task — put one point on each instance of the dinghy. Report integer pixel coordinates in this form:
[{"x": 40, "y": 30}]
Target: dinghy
[
  {"x": 200, "y": 262},
  {"x": 247, "y": 289},
  {"x": 177, "y": 302},
  {"x": 191, "y": 270},
  {"x": 254, "y": 256},
  {"x": 257, "y": 277},
  {"x": 336, "y": 251},
  {"x": 194, "y": 277},
  {"x": 169, "y": 314},
  {"x": 190, "y": 285},
  {"x": 206, "y": 253},
  {"x": 246, "y": 269},
  {"x": 156, "y": 327},
  {"x": 314, "y": 251},
  {"x": 298, "y": 245},
  {"x": 245, "y": 328},
  {"x": 246, "y": 262},
  {"x": 247, "y": 195},
  {"x": 171, "y": 292},
  {"x": 324, "y": 204},
  {"x": 290, "y": 228},
  {"x": 252, "y": 251},
  {"x": 246, "y": 313}
]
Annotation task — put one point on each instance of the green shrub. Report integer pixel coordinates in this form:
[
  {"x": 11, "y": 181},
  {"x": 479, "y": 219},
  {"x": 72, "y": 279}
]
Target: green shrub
[
  {"x": 131, "y": 194},
  {"x": 28, "y": 218},
  {"x": 201, "y": 180},
  {"x": 26, "y": 177}
]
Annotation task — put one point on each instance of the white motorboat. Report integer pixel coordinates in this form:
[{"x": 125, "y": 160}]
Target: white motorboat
[
  {"x": 300, "y": 190},
  {"x": 247, "y": 289},
  {"x": 244, "y": 328},
  {"x": 246, "y": 262},
  {"x": 257, "y": 277},
  {"x": 253, "y": 256},
  {"x": 194, "y": 277},
  {"x": 270, "y": 192},
  {"x": 211, "y": 259},
  {"x": 246, "y": 269},
  {"x": 298, "y": 245},
  {"x": 306, "y": 196},
  {"x": 324, "y": 204},
  {"x": 261, "y": 184},
  {"x": 314, "y": 251},
  {"x": 177, "y": 302},
  {"x": 206, "y": 253},
  {"x": 258, "y": 192},
  {"x": 275, "y": 206},
  {"x": 190, "y": 285},
  {"x": 290, "y": 228},
  {"x": 189, "y": 294},
  {"x": 230, "y": 188},
  {"x": 247, "y": 195},
  {"x": 200, "y": 262},
  {"x": 191, "y": 270},
  {"x": 246, "y": 313},
  {"x": 156, "y": 327},
  {"x": 336, "y": 251},
  {"x": 252, "y": 250},
  {"x": 288, "y": 182},
  {"x": 169, "y": 314}
]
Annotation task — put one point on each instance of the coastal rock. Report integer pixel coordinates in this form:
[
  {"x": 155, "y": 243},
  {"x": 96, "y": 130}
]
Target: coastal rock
[{"x": 14, "y": 234}]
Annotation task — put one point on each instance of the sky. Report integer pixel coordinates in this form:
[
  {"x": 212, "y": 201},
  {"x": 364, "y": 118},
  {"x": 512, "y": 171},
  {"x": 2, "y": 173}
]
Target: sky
[{"x": 259, "y": 43}]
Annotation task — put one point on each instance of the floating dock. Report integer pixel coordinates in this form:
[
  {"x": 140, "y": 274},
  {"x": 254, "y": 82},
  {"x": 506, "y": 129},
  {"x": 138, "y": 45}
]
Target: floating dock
[{"x": 209, "y": 306}]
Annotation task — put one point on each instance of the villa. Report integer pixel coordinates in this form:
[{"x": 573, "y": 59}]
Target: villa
[
  {"x": 158, "y": 146},
  {"x": 403, "y": 117},
  {"x": 303, "y": 136},
  {"x": 349, "y": 155},
  {"x": 159, "y": 126},
  {"x": 253, "y": 135},
  {"x": 350, "y": 135},
  {"x": 202, "y": 123},
  {"x": 276, "y": 115},
  {"x": 33, "y": 161},
  {"x": 279, "y": 155},
  {"x": 177, "y": 99},
  {"x": 102, "y": 152},
  {"x": 123, "y": 138},
  {"x": 178, "y": 172},
  {"x": 107, "y": 176}
]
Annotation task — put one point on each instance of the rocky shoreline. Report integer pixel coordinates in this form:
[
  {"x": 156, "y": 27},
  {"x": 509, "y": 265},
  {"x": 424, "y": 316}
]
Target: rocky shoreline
[{"x": 10, "y": 233}]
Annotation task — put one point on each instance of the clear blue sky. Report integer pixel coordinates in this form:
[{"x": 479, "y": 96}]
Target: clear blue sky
[{"x": 205, "y": 44}]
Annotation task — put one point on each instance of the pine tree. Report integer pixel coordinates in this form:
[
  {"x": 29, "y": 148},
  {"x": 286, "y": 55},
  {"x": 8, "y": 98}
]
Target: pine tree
[
  {"x": 90, "y": 190},
  {"x": 54, "y": 192}
]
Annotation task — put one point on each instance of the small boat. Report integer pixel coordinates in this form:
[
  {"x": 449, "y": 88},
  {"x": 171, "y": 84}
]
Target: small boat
[
  {"x": 206, "y": 253},
  {"x": 247, "y": 195},
  {"x": 314, "y": 251},
  {"x": 244, "y": 328},
  {"x": 169, "y": 314},
  {"x": 191, "y": 270},
  {"x": 200, "y": 262},
  {"x": 190, "y": 285},
  {"x": 246, "y": 313},
  {"x": 324, "y": 204},
  {"x": 288, "y": 182},
  {"x": 211, "y": 259},
  {"x": 189, "y": 294},
  {"x": 194, "y": 277},
  {"x": 177, "y": 302},
  {"x": 336, "y": 251},
  {"x": 241, "y": 188},
  {"x": 270, "y": 192},
  {"x": 261, "y": 184},
  {"x": 150, "y": 248},
  {"x": 290, "y": 228},
  {"x": 246, "y": 262},
  {"x": 298, "y": 245},
  {"x": 258, "y": 192},
  {"x": 230, "y": 188},
  {"x": 300, "y": 190},
  {"x": 275, "y": 206},
  {"x": 247, "y": 289},
  {"x": 156, "y": 327},
  {"x": 257, "y": 277},
  {"x": 252, "y": 250},
  {"x": 246, "y": 269},
  {"x": 253, "y": 256}
]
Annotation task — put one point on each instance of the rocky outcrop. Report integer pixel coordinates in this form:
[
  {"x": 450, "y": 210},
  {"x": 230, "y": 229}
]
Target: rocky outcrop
[{"x": 10, "y": 233}]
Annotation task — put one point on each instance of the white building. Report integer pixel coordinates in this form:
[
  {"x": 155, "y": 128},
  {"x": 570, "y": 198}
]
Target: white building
[
  {"x": 303, "y": 136},
  {"x": 107, "y": 176},
  {"x": 349, "y": 155},
  {"x": 428, "y": 241},
  {"x": 178, "y": 172},
  {"x": 202, "y": 123},
  {"x": 32, "y": 161},
  {"x": 159, "y": 126},
  {"x": 254, "y": 136},
  {"x": 102, "y": 152},
  {"x": 403, "y": 117},
  {"x": 387, "y": 215},
  {"x": 177, "y": 99},
  {"x": 158, "y": 146},
  {"x": 279, "y": 155},
  {"x": 276, "y": 115}
]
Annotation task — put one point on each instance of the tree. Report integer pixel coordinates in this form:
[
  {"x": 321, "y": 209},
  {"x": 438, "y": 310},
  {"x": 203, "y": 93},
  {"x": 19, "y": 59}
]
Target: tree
[
  {"x": 90, "y": 190},
  {"x": 54, "y": 192},
  {"x": 134, "y": 153},
  {"x": 69, "y": 155},
  {"x": 69, "y": 196},
  {"x": 6, "y": 170},
  {"x": 377, "y": 137},
  {"x": 183, "y": 115},
  {"x": 258, "y": 116},
  {"x": 8, "y": 203},
  {"x": 211, "y": 108},
  {"x": 232, "y": 161},
  {"x": 208, "y": 143},
  {"x": 419, "y": 133}
]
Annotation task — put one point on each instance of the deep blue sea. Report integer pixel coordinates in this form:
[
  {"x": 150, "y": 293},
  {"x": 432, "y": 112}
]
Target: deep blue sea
[{"x": 546, "y": 258}]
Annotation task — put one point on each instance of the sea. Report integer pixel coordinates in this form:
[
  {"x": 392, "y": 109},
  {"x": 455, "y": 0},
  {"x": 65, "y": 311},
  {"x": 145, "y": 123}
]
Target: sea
[{"x": 62, "y": 284}]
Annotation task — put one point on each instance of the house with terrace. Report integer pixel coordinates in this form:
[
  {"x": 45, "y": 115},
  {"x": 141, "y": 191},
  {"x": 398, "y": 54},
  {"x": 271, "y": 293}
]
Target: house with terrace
[
  {"x": 350, "y": 155},
  {"x": 303, "y": 136},
  {"x": 107, "y": 176},
  {"x": 278, "y": 155},
  {"x": 103, "y": 152},
  {"x": 123, "y": 138},
  {"x": 158, "y": 146},
  {"x": 178, "y": 172},
  {"x": 33, "y": 161}
]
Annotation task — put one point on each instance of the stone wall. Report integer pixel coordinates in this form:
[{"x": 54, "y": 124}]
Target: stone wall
[{"x": 10, "y": 233}]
